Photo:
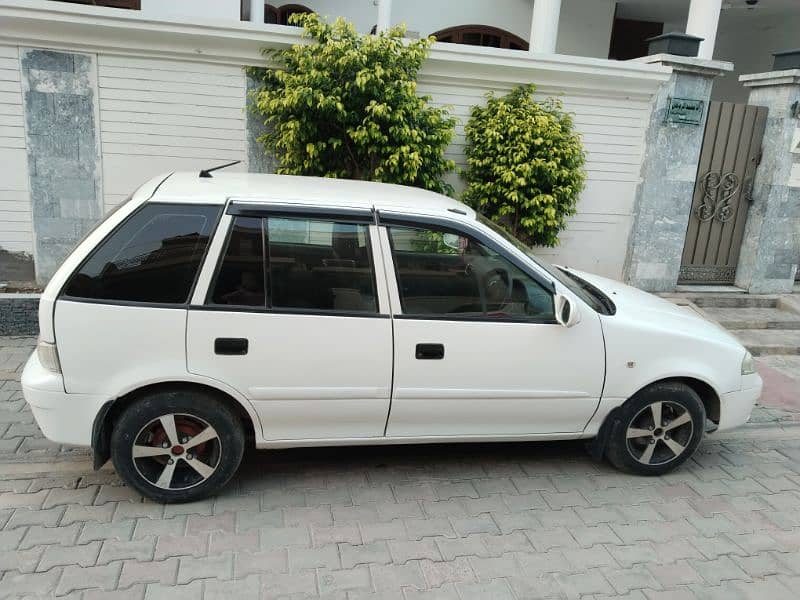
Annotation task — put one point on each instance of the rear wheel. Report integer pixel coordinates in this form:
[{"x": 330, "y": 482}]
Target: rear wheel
[
  {"x": 657, "y": 429},
  {"x": 177, "y": 446}
]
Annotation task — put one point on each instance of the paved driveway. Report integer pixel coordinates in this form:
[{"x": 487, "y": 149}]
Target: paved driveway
[{"x": 463, "y": 521}]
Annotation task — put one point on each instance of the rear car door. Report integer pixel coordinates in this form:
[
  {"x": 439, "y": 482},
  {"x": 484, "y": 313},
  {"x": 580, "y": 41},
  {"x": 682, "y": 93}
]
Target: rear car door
[
  {"x": 296, "y": 319},
  {"x": 478, "y": 351}
]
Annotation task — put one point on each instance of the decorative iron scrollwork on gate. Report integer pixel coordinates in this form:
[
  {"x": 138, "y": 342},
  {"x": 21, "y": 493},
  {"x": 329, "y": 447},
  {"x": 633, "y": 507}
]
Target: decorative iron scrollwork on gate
[{"x": 718, "y": 190}]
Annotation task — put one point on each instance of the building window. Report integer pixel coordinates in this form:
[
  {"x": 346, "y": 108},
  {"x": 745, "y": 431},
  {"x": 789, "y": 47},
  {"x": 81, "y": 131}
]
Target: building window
[
  {"x": 130, "y": 4},
  {"x": 272, "y": 14},
  {"x": 481, "y": 35},
  {"x": 629, "y": 38}
]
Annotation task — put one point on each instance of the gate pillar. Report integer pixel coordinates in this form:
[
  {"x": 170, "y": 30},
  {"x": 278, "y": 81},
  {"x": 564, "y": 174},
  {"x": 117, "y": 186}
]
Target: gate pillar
[
  {"x": 669, "y": 167},
  {"x": 771, "y": 245}
]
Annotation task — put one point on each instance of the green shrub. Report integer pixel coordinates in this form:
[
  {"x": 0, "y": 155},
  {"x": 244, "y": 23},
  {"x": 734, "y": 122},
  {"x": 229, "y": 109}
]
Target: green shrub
[
  {"x": 346, "y": 105},
  {"x": 524, "y": 165}
]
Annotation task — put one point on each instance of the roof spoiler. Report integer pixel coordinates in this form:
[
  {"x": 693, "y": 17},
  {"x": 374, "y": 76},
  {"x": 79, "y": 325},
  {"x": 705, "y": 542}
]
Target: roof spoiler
[{"x": 207, "y": 172}]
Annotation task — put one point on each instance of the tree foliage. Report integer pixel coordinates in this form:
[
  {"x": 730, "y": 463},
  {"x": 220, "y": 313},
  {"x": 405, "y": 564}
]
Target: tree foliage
[
  {"x": 524, "y": 165},
  {"x": 346, "y": 105}
]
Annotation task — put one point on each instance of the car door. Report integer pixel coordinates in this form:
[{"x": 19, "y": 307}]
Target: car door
[
  {"x": 478, "y": 351},
  {"x": 295, "y": 320}
]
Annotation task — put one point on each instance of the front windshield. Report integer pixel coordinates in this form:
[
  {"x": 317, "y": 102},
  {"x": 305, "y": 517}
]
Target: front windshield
[{"x": 574, "y": 284}]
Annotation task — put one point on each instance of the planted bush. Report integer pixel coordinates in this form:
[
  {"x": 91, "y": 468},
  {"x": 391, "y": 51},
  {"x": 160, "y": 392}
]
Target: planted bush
[
  {"x": 346, "y": 105},
  {"x": 524, "y": 165}
]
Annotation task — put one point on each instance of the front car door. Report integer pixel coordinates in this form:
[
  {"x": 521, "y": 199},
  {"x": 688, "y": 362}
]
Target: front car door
[
  {"x": 295, "y": 317},
  {"x": 478, "y": 351}
]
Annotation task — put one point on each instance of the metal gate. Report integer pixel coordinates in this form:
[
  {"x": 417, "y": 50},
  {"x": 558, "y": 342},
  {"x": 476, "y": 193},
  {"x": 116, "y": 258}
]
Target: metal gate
[{"x": 722, "y": 193}]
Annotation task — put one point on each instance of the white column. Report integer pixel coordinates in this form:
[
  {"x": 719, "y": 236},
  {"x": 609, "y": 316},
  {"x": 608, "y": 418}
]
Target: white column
[
  {"x": 703, "y": 21},
  {"x": 544, "y": 26},
  {"x": 257, "y": 11},
  {"x": 384, "y": 15}
]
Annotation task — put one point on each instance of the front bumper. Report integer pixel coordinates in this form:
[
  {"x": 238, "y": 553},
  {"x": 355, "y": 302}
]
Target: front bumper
[
  {"x": 735, "y": 407},
  {"x": 63, "y": 418}
]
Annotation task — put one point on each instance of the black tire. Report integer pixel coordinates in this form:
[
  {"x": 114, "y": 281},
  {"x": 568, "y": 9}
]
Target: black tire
[
  {"x": 195, "y": 472},
  {"x": 683, "y": 418}
]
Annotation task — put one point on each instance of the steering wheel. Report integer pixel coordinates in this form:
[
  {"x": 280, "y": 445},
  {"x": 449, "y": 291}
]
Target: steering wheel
[{"x": 497, "y": 286}]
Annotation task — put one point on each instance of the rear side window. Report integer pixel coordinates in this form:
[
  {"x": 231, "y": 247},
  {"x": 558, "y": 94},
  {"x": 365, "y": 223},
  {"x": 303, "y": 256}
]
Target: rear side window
[
  {"x": 153, "y": 256},
  {"x": 297, "y": 264}
]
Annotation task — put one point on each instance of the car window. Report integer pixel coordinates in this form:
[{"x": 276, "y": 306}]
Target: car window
[
  {"x": 240, "y": 280},
  {"x": 153, "y": 256},
  {"x": 310, "y": 264},
  {"x": 320, "y": 265},
  {"x": 442, "y": 273}
]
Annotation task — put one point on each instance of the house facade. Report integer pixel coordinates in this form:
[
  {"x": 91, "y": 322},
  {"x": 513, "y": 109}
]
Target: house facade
[{"x": 97, "y": 97}]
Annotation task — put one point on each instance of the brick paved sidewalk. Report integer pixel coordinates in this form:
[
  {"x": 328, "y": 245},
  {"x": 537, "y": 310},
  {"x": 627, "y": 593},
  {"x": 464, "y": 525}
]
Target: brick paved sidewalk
[{"x": 461, "y": 521}]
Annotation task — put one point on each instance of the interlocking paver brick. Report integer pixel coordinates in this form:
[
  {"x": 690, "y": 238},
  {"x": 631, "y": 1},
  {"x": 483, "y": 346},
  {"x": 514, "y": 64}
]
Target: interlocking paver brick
[
  {"x": 181, "y": 545},
  {"x": 61, "y": 497},
  {"x": 83, "y": 578},
  {"x": 632, "y": 578},
  {"x": 61, "y": 556},
  {"x": 281, "y": 585},
  {"x": 42, "y": 584},
  {"x": 24, "y": 561},
  {"x": 393, "y": 530},
  {"x": 23, "y": 517},
  {"x": 343, "y": 580},
  {"x": 119, "y": 530},
  {"x": 372, "y": 553},
  {"x": 451, "y": 508},
  {"x": 582, "y": 559},
  {"x": 132, "y": 593},
  {"x": 248, "y": 588},
  {"x": 420, "y": 528},
  {"x": 466, "y": 546},
  {"x": 10, "y": 539},
  {"x": 198, "y": 524},
  {"x": 78, "y": 513},
  {"x": 588, "y": 582},
  {"x": 42, "y": 536},
  {"x": 266, "y": 561},
  {"x": 718, "y": 570},
  {"x": 207, "y": 567},
  {"x": 445, "y": 490},
  {"x": 404, "y": 550},
  {"x": 147, "y": 527},
  {"x": 113, "y": 550},
  {"x": 496, "y": 590},
  {"x": 135, "y": 572},
  {"x": 280, "y": 537},
  {"x": 389, "y": 578},
  {"x": 311, "y": 558},
  {"x": 465, "y": 526},
  {"x": 221, "y": 541},
  {"x": 190, "y": 591}
]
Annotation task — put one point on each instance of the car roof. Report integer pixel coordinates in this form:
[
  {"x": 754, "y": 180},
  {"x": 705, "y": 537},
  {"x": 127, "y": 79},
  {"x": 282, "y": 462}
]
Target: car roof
[{"x": 317, "y": 191}]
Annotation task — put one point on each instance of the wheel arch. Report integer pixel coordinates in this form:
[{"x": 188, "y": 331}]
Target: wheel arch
[
  {"x": 708, "y": 395},
  {"x": 108, "y": 413}
]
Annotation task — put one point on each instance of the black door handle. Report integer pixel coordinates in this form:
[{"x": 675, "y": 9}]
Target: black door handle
[
  {"x": 430, "y": 351},
  {"x": 231, "y": 346}
]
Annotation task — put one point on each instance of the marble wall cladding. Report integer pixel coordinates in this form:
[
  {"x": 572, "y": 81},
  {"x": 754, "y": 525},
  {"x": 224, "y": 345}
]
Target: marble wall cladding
[
  {"x": 258, "y": 160},
  {"x": 771, "y": 247},
  {"x": 59, "y": 90},
  {"x": 664, "y": 197}
]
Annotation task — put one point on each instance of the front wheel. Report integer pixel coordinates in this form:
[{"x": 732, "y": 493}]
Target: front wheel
[
  {"x": 177, "y": 446},
  {"x": 657, "y": 429}
]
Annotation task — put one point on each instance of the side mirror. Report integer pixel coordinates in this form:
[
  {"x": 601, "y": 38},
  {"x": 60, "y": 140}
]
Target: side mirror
[{"x": 567, "y": 314}]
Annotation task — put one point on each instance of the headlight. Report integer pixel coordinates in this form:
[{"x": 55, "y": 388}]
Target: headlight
[
  {"x": 48, "y": 356},
  {"x": 748, "y": 364}
]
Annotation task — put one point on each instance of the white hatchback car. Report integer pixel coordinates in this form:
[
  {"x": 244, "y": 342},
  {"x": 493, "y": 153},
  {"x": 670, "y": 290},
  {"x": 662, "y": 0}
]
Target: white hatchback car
[{"x": 209, "y": 312}]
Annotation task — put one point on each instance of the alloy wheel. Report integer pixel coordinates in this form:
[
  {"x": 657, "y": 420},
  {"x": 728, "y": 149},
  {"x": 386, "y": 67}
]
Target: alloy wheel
[
  {"x": 659, "y": 433},
  {"x": 176, "y": 451}
]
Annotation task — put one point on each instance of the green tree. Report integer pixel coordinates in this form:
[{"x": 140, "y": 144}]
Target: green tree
[
  {"x": 524, "y": 165},
  {"x": 346, "y": 105}
]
